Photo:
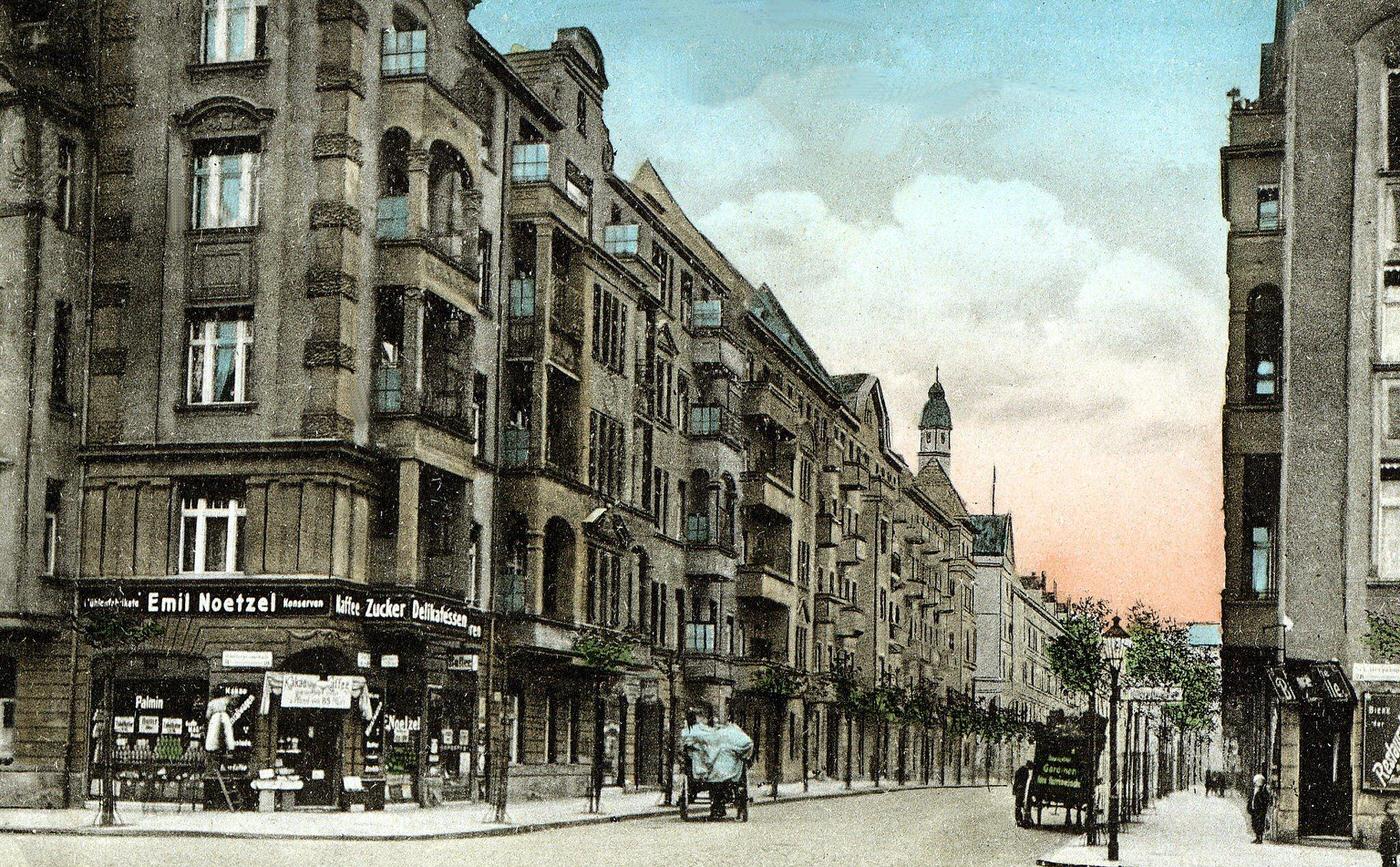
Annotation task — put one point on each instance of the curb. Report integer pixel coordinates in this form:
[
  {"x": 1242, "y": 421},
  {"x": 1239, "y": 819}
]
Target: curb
[{"x": 496, "y": 831}]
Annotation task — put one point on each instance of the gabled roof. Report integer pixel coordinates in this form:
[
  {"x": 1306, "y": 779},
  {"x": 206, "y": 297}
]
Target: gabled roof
[
  {"x": 934, "y": 482},
  {"x": 993, "y": 537},
  {"x": 848, "y": 386}
]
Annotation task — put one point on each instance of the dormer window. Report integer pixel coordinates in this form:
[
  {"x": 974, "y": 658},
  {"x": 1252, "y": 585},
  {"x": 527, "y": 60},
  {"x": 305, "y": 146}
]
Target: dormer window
[
  {"x": 234, "y": 31},
  {"x": 404, "y": 46}
]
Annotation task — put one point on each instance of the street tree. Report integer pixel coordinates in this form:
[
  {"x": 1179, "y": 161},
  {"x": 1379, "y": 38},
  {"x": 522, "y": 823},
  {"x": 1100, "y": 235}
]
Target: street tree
[{"x": 604, "y": 654}]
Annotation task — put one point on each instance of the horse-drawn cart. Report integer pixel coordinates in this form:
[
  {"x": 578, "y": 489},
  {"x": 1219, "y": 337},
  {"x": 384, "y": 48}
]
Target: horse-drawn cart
[{"x": 716, "y": 767}]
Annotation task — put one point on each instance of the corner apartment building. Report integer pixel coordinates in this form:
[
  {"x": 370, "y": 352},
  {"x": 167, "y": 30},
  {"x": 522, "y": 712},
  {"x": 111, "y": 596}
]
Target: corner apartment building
[
  {"x": 1311, "y": 456},
  {"x": 375, "y": 363}
]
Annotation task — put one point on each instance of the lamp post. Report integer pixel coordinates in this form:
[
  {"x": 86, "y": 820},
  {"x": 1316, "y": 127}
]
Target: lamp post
[{"x": 1116, "y": 643}]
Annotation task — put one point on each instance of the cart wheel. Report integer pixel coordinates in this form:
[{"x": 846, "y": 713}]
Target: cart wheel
[
  {"x": 741, "y": 803},
  {"x": 685, "y": 802}
]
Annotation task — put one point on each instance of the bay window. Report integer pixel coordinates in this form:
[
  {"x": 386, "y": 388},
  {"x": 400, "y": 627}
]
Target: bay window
[
  {"x": 403, "y": 47},
  {"x": 217, "y": 361},
  {"x": 212, "y": 514},
  {"x": 234, "y": 30},
  {"x": 226, "y": 184}
]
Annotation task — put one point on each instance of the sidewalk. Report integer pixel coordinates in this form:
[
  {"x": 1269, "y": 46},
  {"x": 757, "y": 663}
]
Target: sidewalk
[
  {"x": 1193, "y": 829},
  {"x": 397, "y": 822}
]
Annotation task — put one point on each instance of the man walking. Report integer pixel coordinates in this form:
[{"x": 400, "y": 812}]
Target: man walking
[
  {"x": 1259, "y": 802},
  {"x": 1389, "y": 845},
  {"x": 1020, "y": 790}
]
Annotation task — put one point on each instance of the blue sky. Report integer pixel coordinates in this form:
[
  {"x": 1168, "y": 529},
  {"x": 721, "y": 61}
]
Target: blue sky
[{"x": 1023, "y": 194}]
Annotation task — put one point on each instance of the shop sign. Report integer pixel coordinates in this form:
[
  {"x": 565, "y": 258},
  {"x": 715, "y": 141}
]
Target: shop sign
[
  {"x": 1374, "y": 673},
  {"x": 464, "y": 662},
  {"x": 247, "y": 659},
  {"x": 1152, "y": 693},
  {"x": 364, "y": 659},
  {"x": 389, "y": 660},
  {"x": 1380, "y": 743},
  {"x": 308, "y": 690},
  {"x": 283, "y": 599}
]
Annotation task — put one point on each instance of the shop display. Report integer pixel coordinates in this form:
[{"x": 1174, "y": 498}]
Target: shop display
[{"x": 158, "y": 750}]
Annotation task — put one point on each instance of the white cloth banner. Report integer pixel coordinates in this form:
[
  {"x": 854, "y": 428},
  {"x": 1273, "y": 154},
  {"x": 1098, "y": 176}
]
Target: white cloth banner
[{"x": 336, "y": 692}]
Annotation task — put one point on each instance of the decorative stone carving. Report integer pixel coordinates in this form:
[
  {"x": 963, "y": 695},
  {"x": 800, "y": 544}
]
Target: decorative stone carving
[
  {"x": 336, "y": 144},
  {"x": 326, "y": 282},
  {"x": 332, "y": 77},
  {"x": 328, "y": 353},
  {"x": 418, "y": 159},
  {"x": 222, "y": 116},
  {"x": 329, "y": 11},
  {"x": 335, "y": 215}
]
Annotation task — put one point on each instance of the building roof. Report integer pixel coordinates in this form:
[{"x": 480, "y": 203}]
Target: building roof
[
  {"x": 936, "y": 412},
  {"x": 1203, "y": 634},
  {"x": 774, "y": 319},
  {"x": 934, "y": 482},
  {"x": 993, "y": 537}
]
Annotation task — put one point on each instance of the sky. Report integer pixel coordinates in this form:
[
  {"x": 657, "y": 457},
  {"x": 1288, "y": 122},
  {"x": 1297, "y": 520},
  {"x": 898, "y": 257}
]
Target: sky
[{"x": 1022, "y": 195}]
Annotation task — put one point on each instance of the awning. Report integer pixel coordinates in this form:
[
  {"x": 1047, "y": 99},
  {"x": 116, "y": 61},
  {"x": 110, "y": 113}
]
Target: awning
[{"x": 1311, "y": 683}]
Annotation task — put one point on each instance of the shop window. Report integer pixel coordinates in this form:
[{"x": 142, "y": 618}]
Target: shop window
[
  {"x": 226, "y": 184},
  {"x": 157, "y": 735},
  {"x": 8, "y": 679},
  {"x": 217, "y": 360},
  {"x": 212, "y": 515},
  {"x": 403, "y": 47}
]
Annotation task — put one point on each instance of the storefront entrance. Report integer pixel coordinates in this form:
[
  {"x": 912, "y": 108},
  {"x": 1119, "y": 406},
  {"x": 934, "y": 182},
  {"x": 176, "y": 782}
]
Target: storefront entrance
[
  {"x": 1324, "y": 771},
  {"x": 308, "y": 742}
]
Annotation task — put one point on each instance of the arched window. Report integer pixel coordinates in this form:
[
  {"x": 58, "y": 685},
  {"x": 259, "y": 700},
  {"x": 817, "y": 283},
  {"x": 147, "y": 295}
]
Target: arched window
[
  {"x": 449, "y": 184},
  {"x": 403, "y": 47},
  {"x": 558, "y": 568},
  {"x": 391, "y": 220},
  {"x": 1264, "y": 344}
]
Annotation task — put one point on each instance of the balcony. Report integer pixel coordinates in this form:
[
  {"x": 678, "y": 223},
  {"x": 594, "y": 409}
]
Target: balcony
[
  {"x": 707, "y": 562},
  {"x": 763, "y": 403},
  {"x": 712, "y": 422},
  {"x": 854, "y": 477},
  {"x": 445, "y": 400},
  {"x": 443, "y": 265},
  {"x": 566, "y": 343},
  {"x": 766, "y": 492},
  {"x": 763, "y": 583},
  {"x": 716, "y": 349},
  {"x": 852, "y": 550},
  {"x": 828, "y": 531},
  {"x": 534, "y": 195},
  {"x": 707, "y": 668},
  {"x": 850, "y": 621}
]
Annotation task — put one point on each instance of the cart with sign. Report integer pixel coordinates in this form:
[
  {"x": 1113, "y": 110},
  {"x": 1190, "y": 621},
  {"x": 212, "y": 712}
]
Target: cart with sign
[{"x": 716, "y": 763}]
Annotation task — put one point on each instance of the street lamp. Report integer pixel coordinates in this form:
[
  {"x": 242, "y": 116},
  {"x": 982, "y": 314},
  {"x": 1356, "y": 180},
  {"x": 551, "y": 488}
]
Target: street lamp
[{"x": 1116, "y": 644}]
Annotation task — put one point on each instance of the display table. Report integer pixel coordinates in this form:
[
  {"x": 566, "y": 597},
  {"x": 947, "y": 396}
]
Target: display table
[{"x": 278, "y": 789}]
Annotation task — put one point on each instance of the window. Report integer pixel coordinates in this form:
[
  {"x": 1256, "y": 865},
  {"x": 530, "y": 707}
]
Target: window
[
  {"x": 64, "y": 191},
  {"x": 234, "y": 30},
  {"x": 403, "y": 47},
  {"x": 604, "y": 596},
  {"x": 529, "y": 162},
  {"x": 1268, "y": 207},
  {"x": 217, "y": 363},
  {"x": 8, "y": 683},
  {"x": 449, "y": 186},
  {"x": 479, "y": 390},
  {"x": 225, "y": 183},
  {"x": 621, "y": 240},
  {"x": 577, "y": 186},
  {"x": 804, "y": 486},
  {"x": 391, "y": 214},
  {"x": 1388, "y": 530},
  {"x": 708, "y": 314},
  {"x": 704, "y": 420},
  {"x": 52, "y": 491},
  {"x": 1264, "y": 343},
  {"x": 62, "y": 337},
  {"x": 1393, "y": 120},
  {"x": 581, "y": 114},
  {"x": 484, "y": 268},
  {"x": 804, "y": 563},
  {"x": 605, "y": 454},
  {"x": 609, "y": 329},
  {"x": 211, "y": 527},
  {"x": 1261, "y": 492}
]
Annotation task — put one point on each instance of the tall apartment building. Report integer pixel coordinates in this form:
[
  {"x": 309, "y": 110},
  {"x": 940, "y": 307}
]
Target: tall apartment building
[
  {"x": 1310, "y": 435},
  {"x": 350, "y": 358}
]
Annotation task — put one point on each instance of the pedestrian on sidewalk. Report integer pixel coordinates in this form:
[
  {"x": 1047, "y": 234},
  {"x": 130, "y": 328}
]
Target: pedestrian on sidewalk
[
  {"x": 1389, "y": 845},
  {"x": 1020, "y": 790},
  {"x": 1259, "y": 802}
]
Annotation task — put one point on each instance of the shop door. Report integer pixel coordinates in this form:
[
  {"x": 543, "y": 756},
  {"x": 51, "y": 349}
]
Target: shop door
[
  {"x": 1324, "y": 773},
  {"x": 308, "y": 742}
]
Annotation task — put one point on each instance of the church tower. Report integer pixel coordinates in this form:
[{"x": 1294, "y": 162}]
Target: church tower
[{"x": 936, "y": 429}]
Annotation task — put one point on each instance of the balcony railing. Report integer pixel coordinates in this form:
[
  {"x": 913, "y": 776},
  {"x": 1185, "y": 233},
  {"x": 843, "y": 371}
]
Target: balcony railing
[
  {"x": 515, "y": 447},
  {"x": 391, "y": 218},
  {"x": 712, "y": 421},
  {"x": 445, "y": 398}
]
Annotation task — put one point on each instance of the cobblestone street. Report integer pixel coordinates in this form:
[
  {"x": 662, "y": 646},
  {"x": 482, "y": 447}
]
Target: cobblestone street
[{"x": 952, "y": 827}]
